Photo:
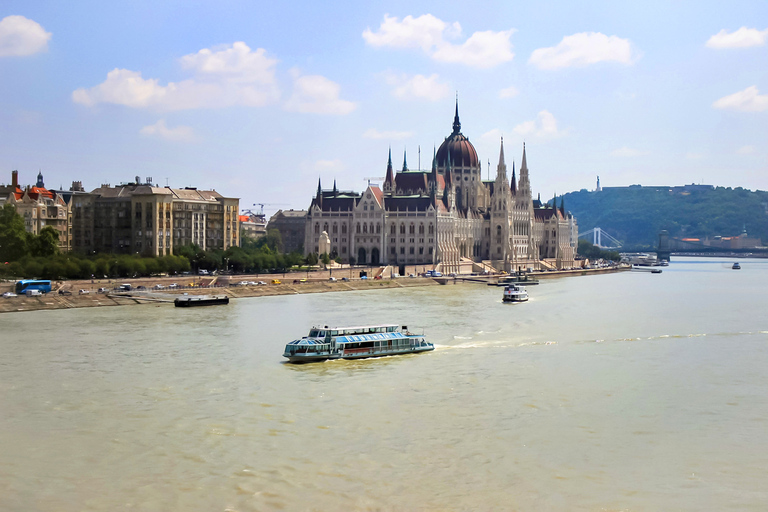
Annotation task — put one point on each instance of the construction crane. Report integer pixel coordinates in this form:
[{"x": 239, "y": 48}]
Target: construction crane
[{"x": 262, "y": 205}]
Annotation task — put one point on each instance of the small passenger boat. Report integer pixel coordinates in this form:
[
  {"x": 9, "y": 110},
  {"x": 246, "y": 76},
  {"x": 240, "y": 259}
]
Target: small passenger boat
[
  {"x": 736, "y": 266},
  {"x": 326, "y": 342},
  {"x": 515, "y": 293},
  {"x": 188, "y": 301}
]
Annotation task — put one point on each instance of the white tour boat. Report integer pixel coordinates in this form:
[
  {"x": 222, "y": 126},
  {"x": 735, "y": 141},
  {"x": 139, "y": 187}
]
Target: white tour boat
[
  {"x": 326, "y": 342},
  {"x": 515, "y": 293}
]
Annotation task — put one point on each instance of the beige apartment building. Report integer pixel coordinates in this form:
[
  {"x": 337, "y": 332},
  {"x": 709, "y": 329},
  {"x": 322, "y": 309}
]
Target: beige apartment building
[{"x": 142, "y": 218}]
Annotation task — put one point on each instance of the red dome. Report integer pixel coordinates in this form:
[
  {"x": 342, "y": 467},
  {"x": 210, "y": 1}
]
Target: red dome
[{"x": 461, "y": 151}]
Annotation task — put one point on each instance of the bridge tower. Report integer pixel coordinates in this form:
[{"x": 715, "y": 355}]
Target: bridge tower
[{"x": 662, "y": 253}]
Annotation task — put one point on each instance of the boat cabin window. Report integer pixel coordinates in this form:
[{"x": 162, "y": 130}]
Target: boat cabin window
[{"x": 313, "y": 333}]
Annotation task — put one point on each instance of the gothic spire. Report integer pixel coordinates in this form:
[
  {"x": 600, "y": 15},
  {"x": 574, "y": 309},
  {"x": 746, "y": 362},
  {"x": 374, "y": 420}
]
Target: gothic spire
[
  {"x": 456, "y": 123},
  {"x": 405, "y": 164},
  {"x": 319, "y": 190},
  {"x": 513, "y": 186},
  {"x": 389, "y": 180}
]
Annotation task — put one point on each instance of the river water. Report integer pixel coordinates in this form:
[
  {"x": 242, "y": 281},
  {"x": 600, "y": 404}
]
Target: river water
[{"x": 629, "y": 391}]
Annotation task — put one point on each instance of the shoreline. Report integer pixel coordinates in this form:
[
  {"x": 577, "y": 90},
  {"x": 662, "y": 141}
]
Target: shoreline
[{"x": 201, "y": 285}]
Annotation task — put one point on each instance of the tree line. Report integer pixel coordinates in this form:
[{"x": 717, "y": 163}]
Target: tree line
[{"x": 24, "y": 254}]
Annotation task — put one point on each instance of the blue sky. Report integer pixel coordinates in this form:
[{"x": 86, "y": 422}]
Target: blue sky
[{"x": 259, "y": 99}]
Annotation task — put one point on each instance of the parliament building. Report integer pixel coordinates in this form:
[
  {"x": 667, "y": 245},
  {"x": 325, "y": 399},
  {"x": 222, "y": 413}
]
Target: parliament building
[{"x": 447, "y": 218}]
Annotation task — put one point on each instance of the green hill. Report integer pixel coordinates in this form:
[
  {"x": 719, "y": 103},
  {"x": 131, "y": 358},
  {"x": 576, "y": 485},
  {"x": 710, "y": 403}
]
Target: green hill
[{"x": 636, "y": 214}]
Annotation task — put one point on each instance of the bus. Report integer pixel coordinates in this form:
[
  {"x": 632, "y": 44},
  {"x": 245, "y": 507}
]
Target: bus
[{"x": 33, "y": 284}]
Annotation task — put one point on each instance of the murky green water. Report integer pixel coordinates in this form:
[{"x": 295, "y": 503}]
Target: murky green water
[{"x": 627, "y": 391}]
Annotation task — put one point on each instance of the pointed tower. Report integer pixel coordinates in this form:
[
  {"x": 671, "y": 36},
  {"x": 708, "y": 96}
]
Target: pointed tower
[
  {"x": 405, "y": 163},
  {"x": 456, "y": 122},
  {"x": 40, "y": 183},
  {"x": 524, "y": 184},
  {"x": 513, "y": 183},
  {"x": 319, "y": 197},
  {"x": 389, "y": 180},
  {"x": 501, "y": 202},
  {"x": 335, "y": 190}
]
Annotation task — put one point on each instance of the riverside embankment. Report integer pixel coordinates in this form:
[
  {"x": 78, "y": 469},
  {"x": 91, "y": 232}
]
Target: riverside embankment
[{"x": 162, "y": 291}]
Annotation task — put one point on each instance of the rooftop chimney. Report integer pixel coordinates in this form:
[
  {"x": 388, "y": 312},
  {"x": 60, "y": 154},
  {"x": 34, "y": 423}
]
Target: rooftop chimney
[{"x": 15, "y": 179}]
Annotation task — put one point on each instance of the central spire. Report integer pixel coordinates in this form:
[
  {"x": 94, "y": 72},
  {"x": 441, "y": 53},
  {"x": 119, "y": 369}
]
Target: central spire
[{"x": 456, "y": 123}]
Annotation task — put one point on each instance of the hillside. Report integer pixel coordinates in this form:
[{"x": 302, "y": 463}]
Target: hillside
[{"x": 636, "y": 214}]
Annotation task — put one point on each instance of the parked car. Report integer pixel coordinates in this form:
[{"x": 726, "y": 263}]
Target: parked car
[
  {"x": 65, "y": 292},
  {"x": 363, "y": 277},
  {"x": 345, "y": 279},
  {"x": 141, "y": 287},
  {"x": 261, "y": 283},
  {"x": 332, "y": 279},
  {"x": 158, "y": 287},
  {"x": 411, "y": 275},
  {"x": 101, "y": 290},
  {"x": 84, "y": 292},
  {"x": 8, "y": 295},
  {"x": 173, "y": 285},
  {"x": 378, "y": 277},
  {"x": 242, "y": 283},
  {"x": 276, "y": 281}
]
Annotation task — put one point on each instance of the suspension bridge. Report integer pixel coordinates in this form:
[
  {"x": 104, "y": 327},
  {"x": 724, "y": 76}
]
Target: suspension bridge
[{"x": 598, "y": 235}]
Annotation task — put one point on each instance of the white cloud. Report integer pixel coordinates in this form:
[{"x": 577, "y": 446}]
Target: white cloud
[
  {"x": 20, "y": 36},
  {"x": 583, "y": 49},
  {"x": 159, "y": 129},
  {"x": 373, "y": 133},
  {"x": 315, "y": 94},
  {"x": 545, "y": 125},
  {"x": 226, "y": 77},
  {"x": 509, "y": 92},
  {"x": 746, "y": 150},
  {"x": 484, "y": 49},
  {"x": 748, "y": 100},
  {"x": 625, "y": 152},
  {"x": 742, "y": 38},
  {"x": 418, "y": 87}
]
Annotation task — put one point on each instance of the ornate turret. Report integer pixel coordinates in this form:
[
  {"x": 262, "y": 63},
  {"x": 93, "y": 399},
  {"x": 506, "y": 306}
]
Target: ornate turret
[
  {"x": 389, "y": 180},
  {"x": 405, "y": 163},
  {"x": 40, "y": 183}
]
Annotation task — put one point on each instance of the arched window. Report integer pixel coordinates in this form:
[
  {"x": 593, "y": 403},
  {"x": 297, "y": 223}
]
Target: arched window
[
  {"x": 343, "y": 229},
  {"x": 371, "y": 227},
  {"x": 421, "y": 229},
  {"x": 431, "y": 229},
  {"x": 317, "y": 228},
  {"x": 411, "y": 229},
  {"x": 402, "y": 229},
  {"x": 357, "y": 230},
  {"x": 335, "y": 228},
  {"x": 325, "y": 227},
  {"x": 378, "y": 228},
  {"x": 393, "y": 229},
  {"x": 365, "y": 228}
]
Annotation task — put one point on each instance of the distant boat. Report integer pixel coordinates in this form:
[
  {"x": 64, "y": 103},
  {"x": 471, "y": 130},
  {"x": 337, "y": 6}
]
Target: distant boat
[
  {"x": 188, "y": 301},
  {"x": 643, "y": 268},
  {"x": 736, "y": 266},
  {"x": 517, "y": 278}
]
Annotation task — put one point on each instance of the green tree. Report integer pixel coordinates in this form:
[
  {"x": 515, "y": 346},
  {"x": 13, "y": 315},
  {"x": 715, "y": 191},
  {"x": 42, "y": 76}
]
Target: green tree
[
  {"x": 46, "y": 243},
  {"x": 13, "y": 236}
]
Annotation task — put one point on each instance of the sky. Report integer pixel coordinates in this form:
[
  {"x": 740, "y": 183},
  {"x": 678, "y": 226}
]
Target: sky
[{"x": 259, "y": 100}]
